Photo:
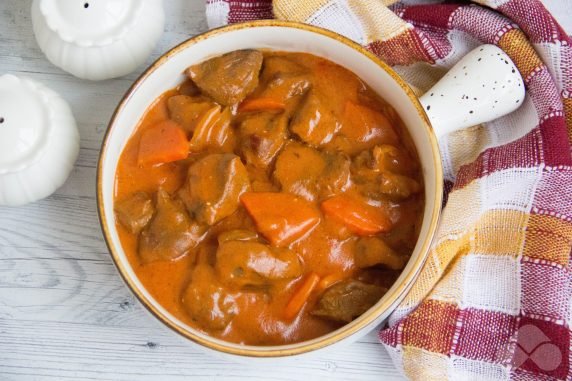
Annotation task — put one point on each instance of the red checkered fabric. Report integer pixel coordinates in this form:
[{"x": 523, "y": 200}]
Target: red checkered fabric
[{"x": 494, "y": 299}]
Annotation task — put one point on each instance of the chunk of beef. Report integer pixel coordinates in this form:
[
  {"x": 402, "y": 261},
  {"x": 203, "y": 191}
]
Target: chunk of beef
[
  {"x": 398, "y": 186},
  {"x": 314, "y": 123},
  {"x": 189, "y": 88},
  {"x": 308, "y": 173},
  {"x": 372, "y": 251},
  {"x": 186, "y": 110},
  {"x": 298, "y": 169},
  {"x": 379, "y": 173},
  {"x": 404, "y": 235},
  {"x": 262, "y": 137},
  {"x": 213, "y": 131},
  {"x": 214, "y": 185},
  {"x": 336, "y": 175},
  {"x": 276, "y": 65},
  {"x": 284, "y": 86},
  {"x": 237, "y": 235},
  {"x": 135, "y": 212},
  {"x": 348, "y": 299},
  {"x": 380, "y": 276},
  {"x": 284, "y": 79},
  {"x": 206, "y": 300},
  {"x": 229, "y": 78},
  {"x": 171, "y": 233},
  {"x": 383, "y": 158},
  {"x": 248, "y": 263}
]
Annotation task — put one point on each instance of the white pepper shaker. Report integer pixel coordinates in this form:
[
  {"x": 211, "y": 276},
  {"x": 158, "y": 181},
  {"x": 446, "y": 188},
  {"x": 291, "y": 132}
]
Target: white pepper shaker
[
  {"x": 39, "y": 141},
  {"x": 98, "y": 39}
]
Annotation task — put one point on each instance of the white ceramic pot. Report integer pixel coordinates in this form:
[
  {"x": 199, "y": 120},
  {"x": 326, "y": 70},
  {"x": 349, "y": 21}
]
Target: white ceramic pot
[
  {"x": 97, "y": 39},
  {"x": 285, "y": 36},
  {"x": 39, "y": 140}
]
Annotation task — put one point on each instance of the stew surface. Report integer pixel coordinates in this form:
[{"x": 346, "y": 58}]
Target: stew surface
[{"x": 270, "y": 198}]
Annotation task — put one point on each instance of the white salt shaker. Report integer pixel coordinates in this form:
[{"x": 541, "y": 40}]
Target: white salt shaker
[
  {"x": 39, "y": 141},
  {"x": 98, "y": 39}
]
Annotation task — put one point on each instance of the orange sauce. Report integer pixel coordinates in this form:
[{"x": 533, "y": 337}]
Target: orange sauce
[{"x": 328, "y": 249}]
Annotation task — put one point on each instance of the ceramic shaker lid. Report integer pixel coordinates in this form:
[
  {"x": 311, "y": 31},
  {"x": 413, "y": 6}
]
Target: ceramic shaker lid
[
  {"x": 39, "y": 141},
  {"x": 97, "y": 39}
]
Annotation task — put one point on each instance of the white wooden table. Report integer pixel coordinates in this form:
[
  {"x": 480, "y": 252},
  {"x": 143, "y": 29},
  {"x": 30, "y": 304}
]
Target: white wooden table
[{"x": 64, "y": 311}]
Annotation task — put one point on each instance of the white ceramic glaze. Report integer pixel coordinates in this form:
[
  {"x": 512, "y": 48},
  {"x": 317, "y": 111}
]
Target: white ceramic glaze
[
  {"x": 482, "y": 86},
  {"x": 168, "y": 73},
  {"x": 39, "y": 141},
  {"x": 97, "y": 39}
]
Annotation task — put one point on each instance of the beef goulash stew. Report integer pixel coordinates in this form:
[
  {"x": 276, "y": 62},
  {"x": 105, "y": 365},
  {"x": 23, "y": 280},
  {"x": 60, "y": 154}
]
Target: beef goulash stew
[{"x": 269, "y": 199}]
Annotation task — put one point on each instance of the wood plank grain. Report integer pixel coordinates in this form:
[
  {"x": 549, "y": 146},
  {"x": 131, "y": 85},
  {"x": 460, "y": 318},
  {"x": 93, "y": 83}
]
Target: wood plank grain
[
  {"x": 88, "y": 351},
  {"x": 64, "y": 311}
]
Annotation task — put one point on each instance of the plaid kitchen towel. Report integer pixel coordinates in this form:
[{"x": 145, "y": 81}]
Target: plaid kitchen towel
[{"x": 494, "y": 298}]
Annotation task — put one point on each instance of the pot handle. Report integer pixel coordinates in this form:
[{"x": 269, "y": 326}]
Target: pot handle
[{"x": 484, "y": 85}]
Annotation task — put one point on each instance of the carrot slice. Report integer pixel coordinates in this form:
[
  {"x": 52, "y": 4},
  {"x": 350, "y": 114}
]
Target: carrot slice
[
  {"x": 281, "y": 218},
  {"x": 359, "y": 217},
  {"x": 261, "y": 104},
  {"x": 331, "y": 279},
  {"x": 163, "y": 143},
  {"x": 301, "y": 296},
  {"x": 365, "y": 124}
]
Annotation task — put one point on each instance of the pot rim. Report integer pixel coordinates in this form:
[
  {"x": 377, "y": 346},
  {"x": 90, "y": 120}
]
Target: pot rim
[{"x": 387, "y": 303}]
